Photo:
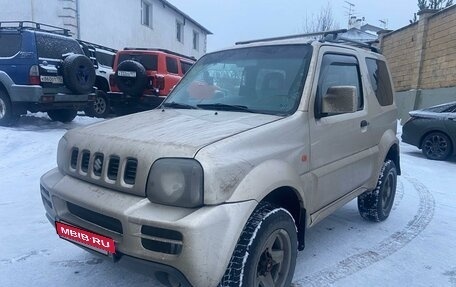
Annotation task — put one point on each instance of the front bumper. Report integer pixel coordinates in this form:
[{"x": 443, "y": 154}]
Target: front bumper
[{"x": 197, "y": 243}]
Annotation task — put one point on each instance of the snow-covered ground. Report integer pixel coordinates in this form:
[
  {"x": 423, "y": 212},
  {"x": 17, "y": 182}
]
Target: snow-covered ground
[{"x": 416, "y": 246}]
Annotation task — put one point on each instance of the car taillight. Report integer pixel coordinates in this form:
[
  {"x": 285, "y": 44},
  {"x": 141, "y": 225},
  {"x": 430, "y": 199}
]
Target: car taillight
[
  {"x": 160, "y": 82},
  {"x": 34, "y": 75}
]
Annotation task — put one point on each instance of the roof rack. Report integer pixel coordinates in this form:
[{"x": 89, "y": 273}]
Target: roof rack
[
  {"x": 30, "y": 25},
  {"x": 328, "y": 36},
  {"x": 161, "y": 50},
  {"x": 100, "y": 47},
  {"x": 324, "y": 34}
]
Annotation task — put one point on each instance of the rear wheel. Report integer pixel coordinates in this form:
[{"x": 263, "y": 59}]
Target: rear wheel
[
  {"x": 376, "y": 205},
  {"x": 265, "y": 255},
  {"x": 436, "y": 146},
  {"x": 7, "y": 117},
  {"x": 63, "y": 115}
]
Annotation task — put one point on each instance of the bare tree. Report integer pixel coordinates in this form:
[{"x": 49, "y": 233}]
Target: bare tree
[
  {"x": 323, "y": 21},
  {"x": 434, "y": 4}
]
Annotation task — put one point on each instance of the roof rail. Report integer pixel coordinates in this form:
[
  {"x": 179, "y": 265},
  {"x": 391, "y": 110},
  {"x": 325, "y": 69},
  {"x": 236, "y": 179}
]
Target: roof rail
[
  {"x": 355, "y": 43},
  {"x": 97, "y": 46},
  {"x": 161, "y": 50},
  {"x": 323, "y": 33},
  {"x": 30, "y": 25}
]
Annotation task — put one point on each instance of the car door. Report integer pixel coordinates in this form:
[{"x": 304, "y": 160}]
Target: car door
[{"x": 340, "y": 158}]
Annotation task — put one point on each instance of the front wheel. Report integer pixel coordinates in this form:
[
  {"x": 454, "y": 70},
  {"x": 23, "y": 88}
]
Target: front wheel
[
  {"x": 376, "y": 205},
  {"x": 64, "y": 116},
  {"x": 265, "y": 255},
  {"x": 100, "y": 108}
]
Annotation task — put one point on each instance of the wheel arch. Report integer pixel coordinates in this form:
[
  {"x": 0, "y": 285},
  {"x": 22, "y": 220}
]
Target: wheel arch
[
  {"x": 289, "y": 198},
  {"x": 102, "y": 84},
  {"x": 394, "y": 155}
]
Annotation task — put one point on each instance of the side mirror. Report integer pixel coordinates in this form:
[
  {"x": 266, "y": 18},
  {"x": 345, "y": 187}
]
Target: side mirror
[{"x": 339, "y": 100}]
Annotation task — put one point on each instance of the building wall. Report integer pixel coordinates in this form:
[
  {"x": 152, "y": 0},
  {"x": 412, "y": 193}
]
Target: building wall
[
  {"x": 117, "y": 24},
  {"x": 112, "y": 23},
  {"x": 422, "y": 59}
]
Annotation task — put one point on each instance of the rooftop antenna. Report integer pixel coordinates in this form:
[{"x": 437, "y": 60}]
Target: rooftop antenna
[
  {"x": 350, "y": 10},
  {"x": 384, "y": 23}
]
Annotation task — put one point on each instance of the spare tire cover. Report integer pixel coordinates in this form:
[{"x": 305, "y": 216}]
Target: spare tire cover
[
  {"x": 79, "y": 74},
  {"x": 131, "y": 77}
]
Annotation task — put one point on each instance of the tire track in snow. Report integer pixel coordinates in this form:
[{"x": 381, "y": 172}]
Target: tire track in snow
[{"x": 385, "y": 248}]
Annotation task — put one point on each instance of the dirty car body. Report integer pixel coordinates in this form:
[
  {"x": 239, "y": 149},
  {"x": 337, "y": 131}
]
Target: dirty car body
[{"x": 178, "y": 184}]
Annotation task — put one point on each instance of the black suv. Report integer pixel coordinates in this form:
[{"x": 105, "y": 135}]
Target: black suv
[{"x": 42, "y": 69}]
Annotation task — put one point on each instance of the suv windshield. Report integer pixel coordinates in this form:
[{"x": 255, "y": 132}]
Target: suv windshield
[
  {"x": 147, "y": 60},
  {"x": 266, "y": 79},
  {"x": 53, "y": 47}
]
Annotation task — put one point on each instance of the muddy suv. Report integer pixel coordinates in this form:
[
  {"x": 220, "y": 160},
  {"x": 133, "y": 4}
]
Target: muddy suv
[
  {"x": 144, "y": 77},
  {"x": 254, "y": 145},
  {"x": 42, "y": 69}
]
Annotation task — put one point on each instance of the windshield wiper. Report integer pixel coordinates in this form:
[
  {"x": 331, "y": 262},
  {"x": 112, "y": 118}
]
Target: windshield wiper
[
  {"x": 225, "y": 107},
  {"x": 179, "y": 106}
]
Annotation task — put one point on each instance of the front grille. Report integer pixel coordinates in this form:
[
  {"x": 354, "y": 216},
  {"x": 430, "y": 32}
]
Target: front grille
[
  {"x": 104, "y": 167},
  {"x": 74, "y": 158},
  {"x": 161, "y": 240},
  {"x": 113, "y": 168},
  {"x": 130, "y": 171},
  {"x": 85, "y": 161},
  {"x": 99, "y": 219}
]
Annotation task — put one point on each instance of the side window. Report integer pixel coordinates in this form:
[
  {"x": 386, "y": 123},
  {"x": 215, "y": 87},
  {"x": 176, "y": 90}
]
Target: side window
[
  {"x": 339, "y": 70},
  {"x": 185, "y": 67},
  {"x": 171, "y": 65},
  {"x": 380, "y": 81},
  {"x": 10, "y": 44}
]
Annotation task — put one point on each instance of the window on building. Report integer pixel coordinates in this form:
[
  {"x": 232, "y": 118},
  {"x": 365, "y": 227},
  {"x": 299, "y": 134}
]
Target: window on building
[
  {"x": 171, "y": 65},
  {"x": 180, "y": 31},
  {"x": 380, "y": 81},
  {"x": 195, "y": 40},
  {"x": 146, "y": 13}
]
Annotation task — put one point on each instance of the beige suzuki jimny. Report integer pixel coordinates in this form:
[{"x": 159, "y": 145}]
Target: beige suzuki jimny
[{"x": 218, "y": 185}]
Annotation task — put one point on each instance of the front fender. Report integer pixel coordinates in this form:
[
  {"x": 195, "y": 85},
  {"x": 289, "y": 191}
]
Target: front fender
[{"x": 265, "y": 178}]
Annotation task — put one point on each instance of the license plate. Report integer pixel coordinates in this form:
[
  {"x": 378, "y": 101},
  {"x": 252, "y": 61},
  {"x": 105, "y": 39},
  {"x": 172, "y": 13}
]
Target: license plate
[
  {"x": 127, "y": 74},
  {"x": 86, "y": 238},
  {"x": 52, "y": 79}
]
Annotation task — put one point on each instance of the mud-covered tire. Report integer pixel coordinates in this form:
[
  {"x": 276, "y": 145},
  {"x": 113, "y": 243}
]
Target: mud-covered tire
[
  {"x": 376, "y": 205},
  {"x": 133, "y": 86},
  {"x": 7, "y": 116},
  {"x": 266, "y": 251},
  {"x": 101, "y": 107},
  {"x": 79, "y": 74},
  {"x": 437, "y": 146},
  {"x": 63, "y": 115}
]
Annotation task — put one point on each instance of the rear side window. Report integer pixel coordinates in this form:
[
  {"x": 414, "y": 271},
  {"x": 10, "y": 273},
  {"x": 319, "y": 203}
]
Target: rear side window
[
  {"x": 149, "y": 61},
  {"x": 171, "y": 65},
  {"x": 10, "y": 44},
  {"x": 105, "y": 59},
  {"x": 54, "y": 47},
  {"x": 380, "y": 81},
  {"x": 185, "y": 67}
]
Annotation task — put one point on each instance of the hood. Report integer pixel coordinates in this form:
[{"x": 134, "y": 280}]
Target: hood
[
  {"x": 143, "y": 138},
  {"x": 184, "y": 131}
]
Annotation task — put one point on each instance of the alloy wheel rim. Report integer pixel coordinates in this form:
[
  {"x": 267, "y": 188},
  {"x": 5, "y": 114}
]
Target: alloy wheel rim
[
  {"x": 388, "y": 191},
  {"x": 99, "y": 105},
  {"x": 274, "y": 263},
  {"x": 436, "y": 146}
]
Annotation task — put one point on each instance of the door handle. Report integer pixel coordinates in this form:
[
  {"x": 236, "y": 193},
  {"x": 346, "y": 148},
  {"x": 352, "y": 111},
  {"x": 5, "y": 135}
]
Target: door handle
[{"x": 364, "y": 123}]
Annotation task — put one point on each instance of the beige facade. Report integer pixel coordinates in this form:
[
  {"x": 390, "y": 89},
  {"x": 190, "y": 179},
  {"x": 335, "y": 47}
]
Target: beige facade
[{"x": 422, "y": 59}]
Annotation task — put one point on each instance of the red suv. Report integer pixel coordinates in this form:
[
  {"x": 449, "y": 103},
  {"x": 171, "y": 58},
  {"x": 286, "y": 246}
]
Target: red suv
[{"x": 145, "y": 77}]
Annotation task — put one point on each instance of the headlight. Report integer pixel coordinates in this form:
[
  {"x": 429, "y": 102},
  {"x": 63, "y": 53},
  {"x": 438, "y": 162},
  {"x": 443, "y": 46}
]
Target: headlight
[
  {"x": 177, "y": 182},
  {"x": 62, "y": 154}
]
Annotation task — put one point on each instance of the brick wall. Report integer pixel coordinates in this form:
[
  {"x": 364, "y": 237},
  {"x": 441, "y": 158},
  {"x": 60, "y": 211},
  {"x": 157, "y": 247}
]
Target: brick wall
[{"x": 423, "y": 55}]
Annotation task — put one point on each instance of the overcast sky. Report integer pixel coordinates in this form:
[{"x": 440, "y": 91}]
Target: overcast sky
[{"x": 235, "y": 20}]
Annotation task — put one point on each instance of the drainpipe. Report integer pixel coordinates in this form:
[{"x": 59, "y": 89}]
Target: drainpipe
[{"x": 78, "y": 21}]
